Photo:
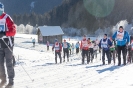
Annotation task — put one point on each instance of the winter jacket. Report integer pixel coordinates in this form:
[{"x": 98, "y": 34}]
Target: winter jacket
[
  {"x": 7, "y": 30},
  {"x": 109, "y": 43},
  {"x": 77, "y": 45},
  {"x": 84, "y": 45},
  {"x": 33, "y": 40},
  {"x": 125, "y": 39},
  {"x": 11, "y": 28},
  {"x": 57, "y": 46},
  {"x": 65, "y": 45}
]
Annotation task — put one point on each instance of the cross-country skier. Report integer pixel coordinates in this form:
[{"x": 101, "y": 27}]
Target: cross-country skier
[
  {"x": 77, "y": 47},
  {"x": 91, "y": 51},
  {"x": 122, "y": 38},
  {"x": 65, "y": 46},
  {"x": 95, "y": 49},
  {"x": 104, "y": 44},
  {"x": 84, "y": 47},
  {"x": 112, "y": 50},
  {"x": 47, "y": 45},
  {"x": 58, "y": 48},
  {"x": 7, "y": 31},
  {"x": 33, "y": 41}
]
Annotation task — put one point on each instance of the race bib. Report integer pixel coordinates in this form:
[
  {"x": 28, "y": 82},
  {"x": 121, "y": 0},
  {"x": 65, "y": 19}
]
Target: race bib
[
  {"x": 2, "y": 25},
  {"x": 120, "y": 35},
  {"x": 65, "y": 45}
]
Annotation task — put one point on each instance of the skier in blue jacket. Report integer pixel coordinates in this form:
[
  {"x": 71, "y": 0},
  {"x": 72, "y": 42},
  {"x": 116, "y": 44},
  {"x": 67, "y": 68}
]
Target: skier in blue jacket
[{"x": 122, "y": 38}]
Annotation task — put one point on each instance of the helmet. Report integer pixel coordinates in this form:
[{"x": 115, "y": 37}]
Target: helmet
[{"x": 1, "y": 7}]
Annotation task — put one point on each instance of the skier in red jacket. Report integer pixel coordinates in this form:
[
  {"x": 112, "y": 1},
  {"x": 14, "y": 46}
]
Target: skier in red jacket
[{"x": 7, "y": 32}]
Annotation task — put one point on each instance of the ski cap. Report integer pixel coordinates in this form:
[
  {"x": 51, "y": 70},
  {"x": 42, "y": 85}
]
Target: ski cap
[
  {"x": 105, "y": 34},
  {"x": 1, "y": 7},
  {"x": 121, "y": 27}
]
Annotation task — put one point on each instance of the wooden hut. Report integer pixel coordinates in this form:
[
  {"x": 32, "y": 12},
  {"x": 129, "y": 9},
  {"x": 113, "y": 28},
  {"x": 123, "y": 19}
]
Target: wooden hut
[{"x": 49, "y": 33}]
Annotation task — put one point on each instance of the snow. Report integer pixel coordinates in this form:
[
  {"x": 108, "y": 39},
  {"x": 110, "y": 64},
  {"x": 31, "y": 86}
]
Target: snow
[{"x": 40, "y": 65}]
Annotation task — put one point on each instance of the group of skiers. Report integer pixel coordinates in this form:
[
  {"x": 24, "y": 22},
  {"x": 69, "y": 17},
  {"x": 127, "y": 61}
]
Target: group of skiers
[
  {"x": 68, "y": 49},
  {"x": 89, "y": 49},
  {"x": 111, "y": 47},
  {"x": 119, "y": 42}
]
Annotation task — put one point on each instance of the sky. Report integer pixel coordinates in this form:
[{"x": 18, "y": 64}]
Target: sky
[{"x": 36, "y": 68}]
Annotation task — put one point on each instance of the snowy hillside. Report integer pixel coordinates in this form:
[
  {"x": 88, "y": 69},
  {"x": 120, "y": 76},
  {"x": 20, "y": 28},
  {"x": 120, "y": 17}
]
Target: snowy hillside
[{"x": 40, "y": 66}]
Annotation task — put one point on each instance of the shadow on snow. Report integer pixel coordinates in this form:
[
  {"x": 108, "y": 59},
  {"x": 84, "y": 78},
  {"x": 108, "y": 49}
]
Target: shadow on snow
[
  {"x": 46, "y": 64},
  {"x": 112, "y": 68}
]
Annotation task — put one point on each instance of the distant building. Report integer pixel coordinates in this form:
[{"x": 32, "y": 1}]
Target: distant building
[{"x": 49, "y": 33}]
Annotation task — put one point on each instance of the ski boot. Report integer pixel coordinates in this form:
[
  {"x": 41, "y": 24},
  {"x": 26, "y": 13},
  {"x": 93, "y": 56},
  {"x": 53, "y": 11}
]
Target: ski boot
[
  {"x": 9, "y": 86},
  {"x": 3, "y": 83}
]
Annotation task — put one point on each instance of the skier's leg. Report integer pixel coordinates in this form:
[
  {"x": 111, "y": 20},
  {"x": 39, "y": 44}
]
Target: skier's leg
[
  {"x": 56, "y": 57},
  {"x": 89, "y": 55},
  {"x": 86, "y": 51},
  {"x": 67, "y": 55},
  {"x": 91, "y": 49},
  {"x": 2, "y": 68},
  {"x": 114, "y": 56},
  {"x": 83, "y": 56},
  {"x": 59, "y": 54},
  {"x": 77, "y": 50},
  {"x": 108, "y": 56},
  {"x": 9, "y": 65},
  {"x": 124, "y": 54},
  {"x": 103, "y": 57},
  {"x": 64, "y": 54},
  {"x": 119, "y": 55}
]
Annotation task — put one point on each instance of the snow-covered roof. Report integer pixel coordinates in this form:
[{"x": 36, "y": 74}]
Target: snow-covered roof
[{"x": 50, "y": 30}]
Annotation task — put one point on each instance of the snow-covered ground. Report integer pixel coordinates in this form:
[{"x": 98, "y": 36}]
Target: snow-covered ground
[{"x": 36, "y": 68}]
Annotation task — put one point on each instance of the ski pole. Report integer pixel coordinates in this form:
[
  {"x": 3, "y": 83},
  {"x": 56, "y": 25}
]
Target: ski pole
[
  {"x": 18, "y": 59},
  {"x": 100, "y": 54},
  {"x": 7, "y": 45},
  {"x": 26, "y": 72}
]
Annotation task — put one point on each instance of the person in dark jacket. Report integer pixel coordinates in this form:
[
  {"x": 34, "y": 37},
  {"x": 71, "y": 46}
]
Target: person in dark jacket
[{"x": 104, "y": 44}]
